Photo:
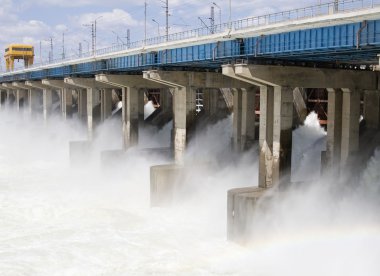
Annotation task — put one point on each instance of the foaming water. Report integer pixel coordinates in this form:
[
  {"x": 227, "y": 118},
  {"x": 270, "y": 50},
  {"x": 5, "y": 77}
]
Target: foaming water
[{"x": 58, "y": 220}]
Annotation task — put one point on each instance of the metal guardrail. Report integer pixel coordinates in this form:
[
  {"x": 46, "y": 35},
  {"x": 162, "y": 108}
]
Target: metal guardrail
[{"x": 334, "y": 7}]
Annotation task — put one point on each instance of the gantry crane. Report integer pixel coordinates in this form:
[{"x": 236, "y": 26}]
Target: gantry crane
[{"x": 16, "y": 52}]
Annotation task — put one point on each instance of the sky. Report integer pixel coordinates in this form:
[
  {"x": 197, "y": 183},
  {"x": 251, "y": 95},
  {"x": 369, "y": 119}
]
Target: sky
[{"x": 35, "y": 22}]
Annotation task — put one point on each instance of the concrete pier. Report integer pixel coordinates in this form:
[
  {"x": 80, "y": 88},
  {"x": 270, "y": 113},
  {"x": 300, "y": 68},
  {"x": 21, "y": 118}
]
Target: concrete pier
[
  {"x": 89, "y": 96},
  {"x": 183, "y": 86},
  {"x": 334, "y": 130},
  {"x": 3, "y": 97},
  {"x": 66, "y": 95},
  {"x": 350, "y": 125},
  {"x": 34, "y": 101},
  {"x": 47, "y": 96},
  {"x": 133, "y": 102},
  {"x": 21, "y": 95},
  {"x": 244, "y": 118},
  {"x": 106, "y": 103},
  {"x": 277, "y": 86},
  {"x": 10, "y": 97}
]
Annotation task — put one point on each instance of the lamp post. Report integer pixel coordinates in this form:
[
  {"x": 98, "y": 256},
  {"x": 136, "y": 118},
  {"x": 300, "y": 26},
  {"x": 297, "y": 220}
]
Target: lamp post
[
  {"x": 158, "y": 27},
  {"x": 230, "y": 16}
]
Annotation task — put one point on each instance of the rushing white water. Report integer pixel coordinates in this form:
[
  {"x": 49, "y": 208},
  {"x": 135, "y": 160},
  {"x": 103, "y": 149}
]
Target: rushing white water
[
  {"x": 58, "y": 220},
  {"x": 308, "y": 142}
]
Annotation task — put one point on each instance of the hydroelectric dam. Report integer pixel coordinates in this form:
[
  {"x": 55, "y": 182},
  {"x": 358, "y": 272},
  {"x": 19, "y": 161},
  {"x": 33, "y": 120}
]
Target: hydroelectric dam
[{"x": 192, "y": 149}]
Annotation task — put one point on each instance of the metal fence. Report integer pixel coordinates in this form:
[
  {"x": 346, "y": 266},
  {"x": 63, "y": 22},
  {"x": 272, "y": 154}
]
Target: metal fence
[{"x": 334, "y": 7}]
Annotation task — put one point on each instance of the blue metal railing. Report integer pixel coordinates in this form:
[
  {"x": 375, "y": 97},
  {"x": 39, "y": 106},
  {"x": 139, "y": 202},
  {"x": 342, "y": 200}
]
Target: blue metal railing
[{"x": 257, "y": 21}]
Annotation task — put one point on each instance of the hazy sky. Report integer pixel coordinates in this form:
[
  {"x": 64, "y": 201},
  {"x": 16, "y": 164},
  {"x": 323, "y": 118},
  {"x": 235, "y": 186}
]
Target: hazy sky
[{"x": 24, "y": 21}]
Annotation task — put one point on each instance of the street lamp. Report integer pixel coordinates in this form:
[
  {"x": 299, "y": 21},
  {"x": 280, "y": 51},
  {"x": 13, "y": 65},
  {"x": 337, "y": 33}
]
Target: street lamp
[
  {"x": 158, "y": 27},
  {"x": 229, "y": 19}
]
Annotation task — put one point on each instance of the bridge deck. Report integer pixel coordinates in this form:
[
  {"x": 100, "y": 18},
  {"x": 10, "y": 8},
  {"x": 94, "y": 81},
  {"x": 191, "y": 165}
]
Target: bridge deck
[{"x": 349, "y": 36}]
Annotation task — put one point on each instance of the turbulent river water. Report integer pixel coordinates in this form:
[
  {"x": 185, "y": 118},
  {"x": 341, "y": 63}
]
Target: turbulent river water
[{"x": 61, "y": 220}]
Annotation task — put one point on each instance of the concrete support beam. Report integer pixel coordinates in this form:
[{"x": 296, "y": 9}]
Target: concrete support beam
[
  {"x": 350, "y": 125},
  {"x": 293, "y": 76},
  {"x": 372, "y": 108},
  {"x": 67, "y": 103},
  {"x": 276, "y": 119},
  {"x": 334, "y": 129},
  {"x": 92, "y": 100},
  {"x": 34, "y": 100},
  {"x": 122, "y": 81},
  {"x": 194, "y": 79},
  {"x": 82, "y": 104},
  {"x": 130, "y": 99},
  {"x": 244, "y": 118},
  {"x": 11, "y": 93},
  {"x": 106, "y": 103},
  {"x": 47, "y": 102},
  {"x": 184, "y": 85},
  {"x": 3, "y": 98},
  {"x": 266, "y": 136},
  {"x": 66, "y": 95},
  {"x": 184, "y": 117},
  {"x": 47, "y": 96},
  {"x": 282, "y": 133},
  {"x": 21, "y": 94}
]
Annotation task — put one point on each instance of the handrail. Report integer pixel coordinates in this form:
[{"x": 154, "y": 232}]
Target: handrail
[{"x": 257, "y": 21}]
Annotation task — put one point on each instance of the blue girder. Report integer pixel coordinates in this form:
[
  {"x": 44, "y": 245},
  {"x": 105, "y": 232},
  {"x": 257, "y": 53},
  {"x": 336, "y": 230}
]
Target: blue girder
[{"x": 357, "y": 43}]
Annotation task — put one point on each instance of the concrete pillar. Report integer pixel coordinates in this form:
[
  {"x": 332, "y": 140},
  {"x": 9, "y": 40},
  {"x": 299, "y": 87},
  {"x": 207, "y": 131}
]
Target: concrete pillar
[
  {"x": 92, "y": 101},
  {"x": 244, "y": 118},
  {"x": 66, "y": 91},
  {"x": 33, "y": 95},
  {"x": 184, "y": 117},
  {"x": 10, "y": 97},
  {"x": 130, "y": 99},
  {"x": 350, "y": 124},
  {"x": 282, "y": 133},
  {"x": 67, "y": 103},
  {"x": 20, "y": 98},
  {"x": 106, "y": 103},
  {"x": 266, "y": 136},
  {"x": 334, "y": 129},
  {"x": 372, "y": 108},
  {"x": 3, "y": 96},
  {"x": 47, "y": 102},
  {"x": 82, "y": 104}
]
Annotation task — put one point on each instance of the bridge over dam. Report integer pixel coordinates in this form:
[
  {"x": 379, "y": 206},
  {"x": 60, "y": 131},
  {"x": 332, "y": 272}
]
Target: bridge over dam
[{"x": 263, "y": 70}]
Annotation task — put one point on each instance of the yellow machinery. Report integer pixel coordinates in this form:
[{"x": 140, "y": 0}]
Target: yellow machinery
[{"x": 16, "y": 52}]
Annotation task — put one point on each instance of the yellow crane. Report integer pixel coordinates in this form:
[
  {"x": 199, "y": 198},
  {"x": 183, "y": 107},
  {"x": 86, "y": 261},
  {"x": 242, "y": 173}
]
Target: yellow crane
[{"x": 16, "y": 52}]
